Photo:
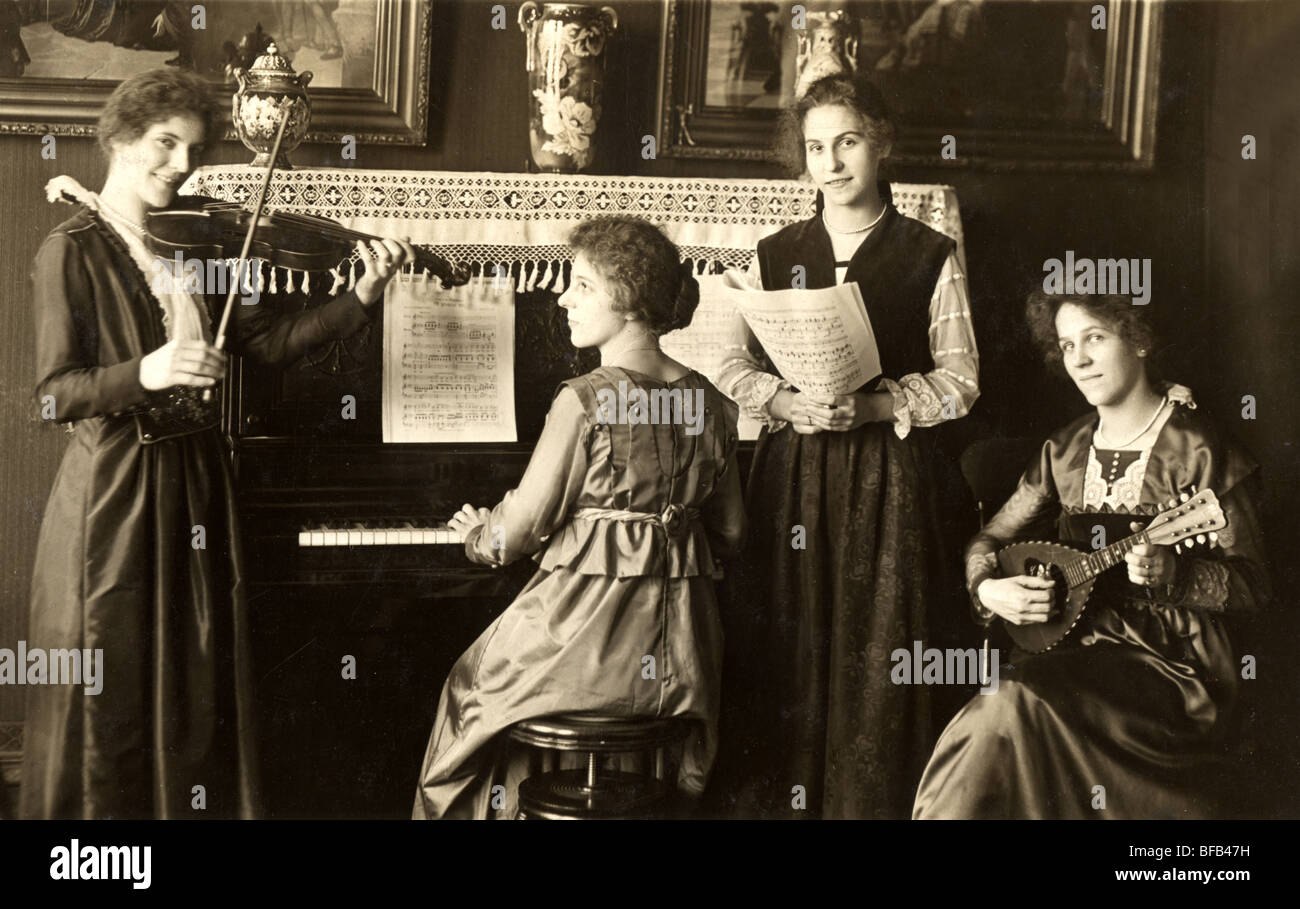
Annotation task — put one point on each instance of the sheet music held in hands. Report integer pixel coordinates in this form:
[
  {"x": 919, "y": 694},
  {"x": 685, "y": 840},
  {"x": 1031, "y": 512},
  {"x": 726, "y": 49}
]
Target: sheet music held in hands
[{"x": 819, "y": 340}]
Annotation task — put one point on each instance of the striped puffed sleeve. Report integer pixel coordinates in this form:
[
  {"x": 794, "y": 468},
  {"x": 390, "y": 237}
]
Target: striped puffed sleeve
[{"x": 949, "y": 390}]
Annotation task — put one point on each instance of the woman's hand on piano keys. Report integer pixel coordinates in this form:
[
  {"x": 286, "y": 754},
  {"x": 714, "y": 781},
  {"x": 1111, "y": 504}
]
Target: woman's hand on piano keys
[
  {"x": 468, "y": 518},
  {"x": 383, "y": 258}
]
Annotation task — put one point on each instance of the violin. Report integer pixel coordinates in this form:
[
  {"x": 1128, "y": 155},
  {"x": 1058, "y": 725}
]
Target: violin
[{"x": 217, "y": 230}]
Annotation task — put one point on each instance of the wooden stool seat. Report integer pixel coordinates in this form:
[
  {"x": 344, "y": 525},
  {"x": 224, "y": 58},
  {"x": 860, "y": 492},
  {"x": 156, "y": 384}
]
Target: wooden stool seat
[{"x": 595, "y": 792}]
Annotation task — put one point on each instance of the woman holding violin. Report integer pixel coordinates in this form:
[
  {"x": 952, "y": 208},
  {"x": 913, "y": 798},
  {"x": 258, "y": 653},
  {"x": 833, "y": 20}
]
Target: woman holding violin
[{"x": 138, "y": 564}]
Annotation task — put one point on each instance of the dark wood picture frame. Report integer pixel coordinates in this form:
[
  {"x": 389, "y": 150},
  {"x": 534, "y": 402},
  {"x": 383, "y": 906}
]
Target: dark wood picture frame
[
  {"x": 394, "y": 110},
  {"x": 1121, "y": 138}
]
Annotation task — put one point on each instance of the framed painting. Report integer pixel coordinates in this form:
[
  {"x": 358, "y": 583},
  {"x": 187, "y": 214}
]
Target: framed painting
[
  {"x": 998, "y": 83},
  {"x": 59, "y": 59}
]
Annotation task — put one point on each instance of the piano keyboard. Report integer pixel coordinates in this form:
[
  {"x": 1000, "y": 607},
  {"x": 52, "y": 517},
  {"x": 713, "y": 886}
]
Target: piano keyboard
[{"x": 361, "y": 535}]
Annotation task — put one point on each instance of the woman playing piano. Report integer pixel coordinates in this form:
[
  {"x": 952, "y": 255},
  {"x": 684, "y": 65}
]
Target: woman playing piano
[
  {"x": 624, "y": 512},
  {"x": 846, "y": 555},
  {"x": 138, "y": 564},
  {"x": 1138, "y": 698}
]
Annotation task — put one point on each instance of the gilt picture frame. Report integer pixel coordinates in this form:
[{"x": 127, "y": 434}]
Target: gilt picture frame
[
  {"x": 373, "y": 58},
  {"x": 1075, "y": 88}
]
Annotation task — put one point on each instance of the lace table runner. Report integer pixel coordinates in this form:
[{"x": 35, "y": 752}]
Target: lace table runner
[{"x": 520, "y": 221}]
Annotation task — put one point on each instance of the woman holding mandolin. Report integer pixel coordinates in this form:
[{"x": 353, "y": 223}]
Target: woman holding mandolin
[
  {"x": 139, "y": 556},
  {"x": 1137, "y": 699}
]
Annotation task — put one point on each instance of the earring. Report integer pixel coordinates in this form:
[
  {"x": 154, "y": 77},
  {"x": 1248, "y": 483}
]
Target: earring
[{"x": 1142, "y": 351}]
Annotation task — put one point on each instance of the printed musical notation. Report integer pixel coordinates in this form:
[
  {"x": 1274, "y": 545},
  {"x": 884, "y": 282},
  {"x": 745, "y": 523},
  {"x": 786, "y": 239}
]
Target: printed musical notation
[
  {"x": 703, "y": 344},
  {"x": 819, "y": 340},
  {"x": 449, "y": 362}
]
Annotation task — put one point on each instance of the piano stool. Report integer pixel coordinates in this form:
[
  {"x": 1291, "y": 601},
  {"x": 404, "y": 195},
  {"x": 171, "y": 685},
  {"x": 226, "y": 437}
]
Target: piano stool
[{"x": 595, "y": 792}]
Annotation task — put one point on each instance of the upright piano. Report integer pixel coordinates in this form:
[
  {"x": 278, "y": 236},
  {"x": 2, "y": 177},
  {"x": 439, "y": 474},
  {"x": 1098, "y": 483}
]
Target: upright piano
[
  {"x": 343, "y": 532},
  {"x": 349, "y": 556}
]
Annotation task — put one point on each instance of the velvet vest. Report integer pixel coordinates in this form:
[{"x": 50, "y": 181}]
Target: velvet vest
[{"x": 896, "y": 268}]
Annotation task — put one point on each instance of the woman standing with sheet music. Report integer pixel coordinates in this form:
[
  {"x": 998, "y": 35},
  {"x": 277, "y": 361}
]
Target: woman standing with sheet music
[{"x": 846, "y": 557}]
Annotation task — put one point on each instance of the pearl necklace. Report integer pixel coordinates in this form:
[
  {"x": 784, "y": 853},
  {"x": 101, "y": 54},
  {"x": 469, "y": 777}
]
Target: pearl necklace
[
  {"x": 859, "y": 230},
  {"x": 103, "y": 207},
  {"x": 654, "y": 345},
  {"x": 1143, "y": 431}
]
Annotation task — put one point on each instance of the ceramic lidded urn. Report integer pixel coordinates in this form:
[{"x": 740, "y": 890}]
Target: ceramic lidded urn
[
  {"x": 827, "y": 46},
  {"x": 566, "y": 72},
  {"x": 265, "y": 90}
]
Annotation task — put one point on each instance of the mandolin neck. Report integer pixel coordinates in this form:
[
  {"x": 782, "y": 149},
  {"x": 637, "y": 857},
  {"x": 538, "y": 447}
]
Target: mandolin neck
[{"x": 1088, "y": 567}]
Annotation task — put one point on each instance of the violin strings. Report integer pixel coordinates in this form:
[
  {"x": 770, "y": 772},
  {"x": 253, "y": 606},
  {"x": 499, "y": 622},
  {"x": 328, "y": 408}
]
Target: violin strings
[{"x": 321, "y": 226}]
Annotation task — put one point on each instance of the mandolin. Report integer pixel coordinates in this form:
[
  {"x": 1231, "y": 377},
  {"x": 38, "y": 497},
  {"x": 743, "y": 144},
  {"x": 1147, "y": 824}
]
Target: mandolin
[{"x": 1075, "y": 572}]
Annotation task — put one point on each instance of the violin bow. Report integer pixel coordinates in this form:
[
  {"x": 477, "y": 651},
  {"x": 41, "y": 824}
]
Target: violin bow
[
  {"x": 233, "y": 291},
  {"x": 252, "y": 228}
]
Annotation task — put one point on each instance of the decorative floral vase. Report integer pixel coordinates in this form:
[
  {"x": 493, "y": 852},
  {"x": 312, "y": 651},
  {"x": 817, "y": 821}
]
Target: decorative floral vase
[
  {"x": 827, "y": 46},
  {"x": 566, "y": 69},
  {"x": 265, "y": 89}
]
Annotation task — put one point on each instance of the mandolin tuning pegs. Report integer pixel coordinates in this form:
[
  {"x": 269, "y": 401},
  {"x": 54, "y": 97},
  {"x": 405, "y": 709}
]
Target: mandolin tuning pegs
[
  {"x": 1173, "y": 502},
  {"x": 1200, "y": 538},
  {"x": 1184, "y": 497},
  {"x": 1178, "y": 547},
  {"x": 1214, "y": 538}
]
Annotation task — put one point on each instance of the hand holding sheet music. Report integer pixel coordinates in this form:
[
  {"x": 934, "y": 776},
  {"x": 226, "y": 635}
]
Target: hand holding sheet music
[{"x": 819, "y": 340}]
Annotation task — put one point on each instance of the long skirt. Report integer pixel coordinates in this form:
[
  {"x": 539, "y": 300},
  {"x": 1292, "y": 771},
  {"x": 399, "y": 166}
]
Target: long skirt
[
  {"x": 1124, "y": 720},
  {"x": 848, "y": 560},
  {"x": 139, "y": 559},
  {"x": 574, "y": 643}
]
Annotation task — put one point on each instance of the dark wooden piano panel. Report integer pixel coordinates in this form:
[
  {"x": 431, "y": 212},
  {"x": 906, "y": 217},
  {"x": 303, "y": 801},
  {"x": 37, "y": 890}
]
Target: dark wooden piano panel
[
  {"x": 335, "y": 747},
  {"x": 286, "y": 485}
]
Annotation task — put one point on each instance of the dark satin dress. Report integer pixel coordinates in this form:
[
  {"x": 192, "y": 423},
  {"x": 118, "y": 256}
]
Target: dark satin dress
[
  {"x": 118, "y": 564},
  {"x": 807, "y": 696},
  {"x": 1139, "y": 698}
]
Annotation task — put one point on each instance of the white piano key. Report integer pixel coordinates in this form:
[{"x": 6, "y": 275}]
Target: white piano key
[{"x": 361, "y": 535}]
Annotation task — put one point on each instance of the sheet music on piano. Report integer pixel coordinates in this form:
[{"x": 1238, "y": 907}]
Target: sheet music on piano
[
  {"x": 705, "y": 343},
  {"x": 449, "y": 361}
]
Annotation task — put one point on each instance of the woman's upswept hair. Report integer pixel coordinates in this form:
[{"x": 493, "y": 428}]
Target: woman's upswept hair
[
  {"x": 1130, "y": 321},
  {"x": 152, "y": 97},
  {"x": 854, "y": 92},
  {"x": 643, "y": 268}
]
